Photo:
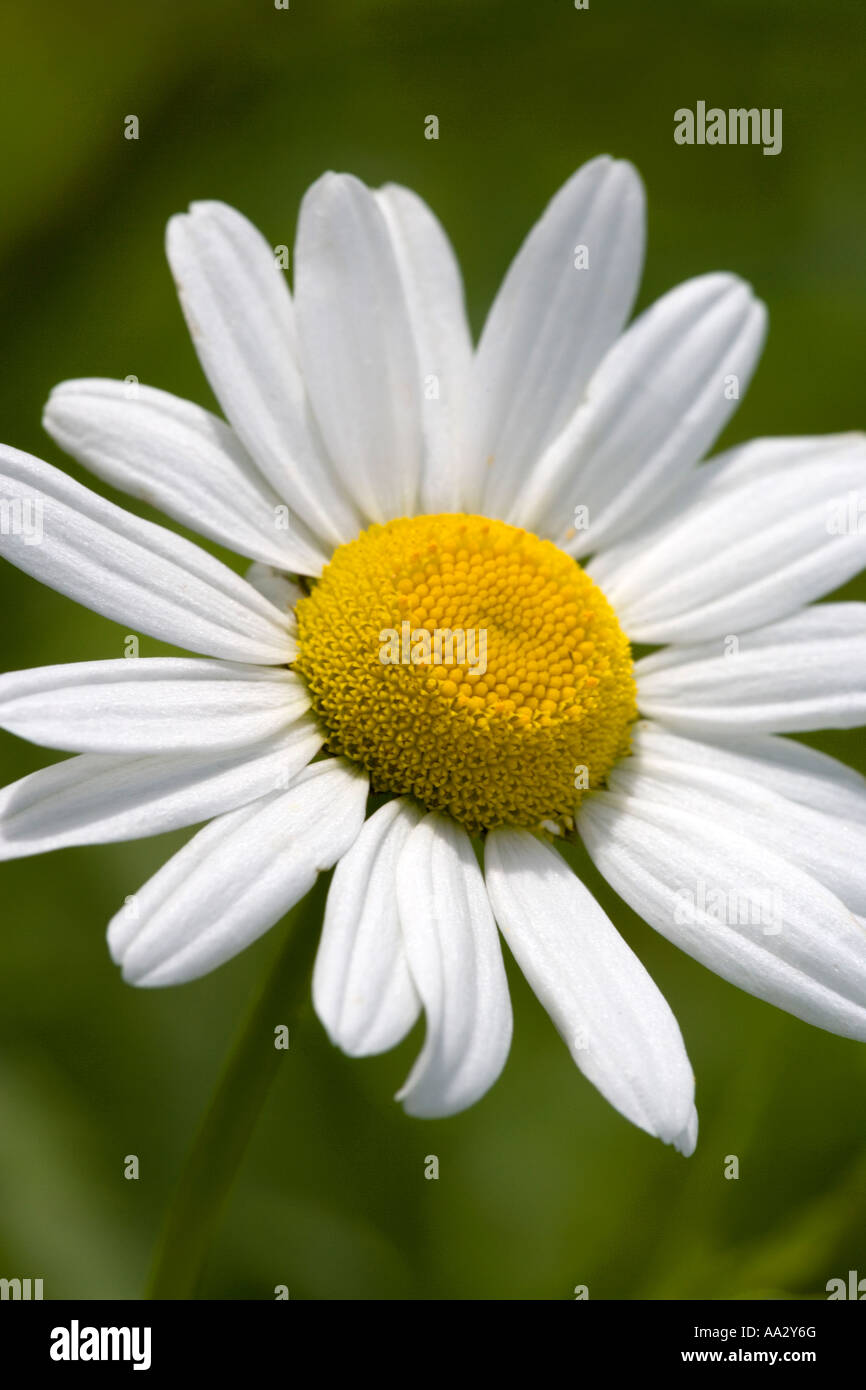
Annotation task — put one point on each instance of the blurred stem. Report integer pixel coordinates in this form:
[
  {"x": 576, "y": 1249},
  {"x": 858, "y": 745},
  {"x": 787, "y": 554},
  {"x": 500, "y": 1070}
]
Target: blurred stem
[{"x": 219, "y": 1146}]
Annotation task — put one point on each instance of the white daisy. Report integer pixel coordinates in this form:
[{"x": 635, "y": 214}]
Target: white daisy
[{"x": 456, "y": 488}]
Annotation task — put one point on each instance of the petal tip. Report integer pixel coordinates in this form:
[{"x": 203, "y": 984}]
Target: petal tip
[{"x": 686, "y": 1141}]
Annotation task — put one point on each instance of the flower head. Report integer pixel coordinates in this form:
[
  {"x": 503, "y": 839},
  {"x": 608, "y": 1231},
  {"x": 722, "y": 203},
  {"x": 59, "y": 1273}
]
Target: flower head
[{"x": 453, "y": 549}]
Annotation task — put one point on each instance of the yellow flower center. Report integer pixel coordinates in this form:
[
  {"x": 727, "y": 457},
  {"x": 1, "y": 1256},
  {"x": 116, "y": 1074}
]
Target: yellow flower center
[{"x": 468, "y": 664}]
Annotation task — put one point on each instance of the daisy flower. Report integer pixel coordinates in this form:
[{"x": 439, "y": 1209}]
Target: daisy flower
[{"x": 544, "y": 490}]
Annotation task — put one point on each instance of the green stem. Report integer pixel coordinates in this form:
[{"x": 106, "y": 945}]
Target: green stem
[{"x": 224, "y": 1133}]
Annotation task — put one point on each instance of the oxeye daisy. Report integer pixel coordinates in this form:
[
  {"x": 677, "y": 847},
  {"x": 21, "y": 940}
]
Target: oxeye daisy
[{"x": 455, "y": 550}]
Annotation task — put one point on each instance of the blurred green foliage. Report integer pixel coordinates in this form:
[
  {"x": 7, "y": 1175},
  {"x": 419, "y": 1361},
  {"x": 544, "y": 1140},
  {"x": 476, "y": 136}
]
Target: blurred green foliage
[{"x": 542, "y": 1185}]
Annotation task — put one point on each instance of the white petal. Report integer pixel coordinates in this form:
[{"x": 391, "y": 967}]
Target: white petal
[
  {"x": 611, "y": 1016},
  {"x": 765, "y": 534},
  {"x": 456, "y": 963},
  {"x": 130, "y": 570},
  {"x": 357, "y": 347},
  {"x": 551, "y": 323},
  {"x": 806, "y": 672},
  {"x": 362, "y": 989},
  {"x": 239, "y": 311},
  {"x": 149, "y": 705},
  {"x": 274, "y": 584},
  {"x": 182, "y": 459},
  {"x": 233, "y": 880},
  {"x": 99, "y": 798},
  {"x": 434, "y": 295},
  {"x": 790, "y": 768},
  {"x": 703, "y": 779},
  {"x": 736, "y": 906},
  {"x": 652, "y": 410}
]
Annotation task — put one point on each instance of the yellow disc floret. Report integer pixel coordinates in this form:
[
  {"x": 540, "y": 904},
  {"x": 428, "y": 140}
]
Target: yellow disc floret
[{"x": 468, "y": 664}]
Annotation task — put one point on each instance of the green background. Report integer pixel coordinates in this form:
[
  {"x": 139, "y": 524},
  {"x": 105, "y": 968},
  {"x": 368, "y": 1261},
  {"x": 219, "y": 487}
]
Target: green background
[{"x": 542, "y": 1186}]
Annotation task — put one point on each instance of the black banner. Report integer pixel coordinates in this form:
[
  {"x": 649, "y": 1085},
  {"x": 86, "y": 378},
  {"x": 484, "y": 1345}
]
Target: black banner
[{"x": 81, "y": 1339}]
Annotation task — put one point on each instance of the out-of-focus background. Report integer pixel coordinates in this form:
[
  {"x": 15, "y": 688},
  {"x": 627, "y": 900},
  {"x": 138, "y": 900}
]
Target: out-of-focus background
[{"x": 542, "y": 1186}]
